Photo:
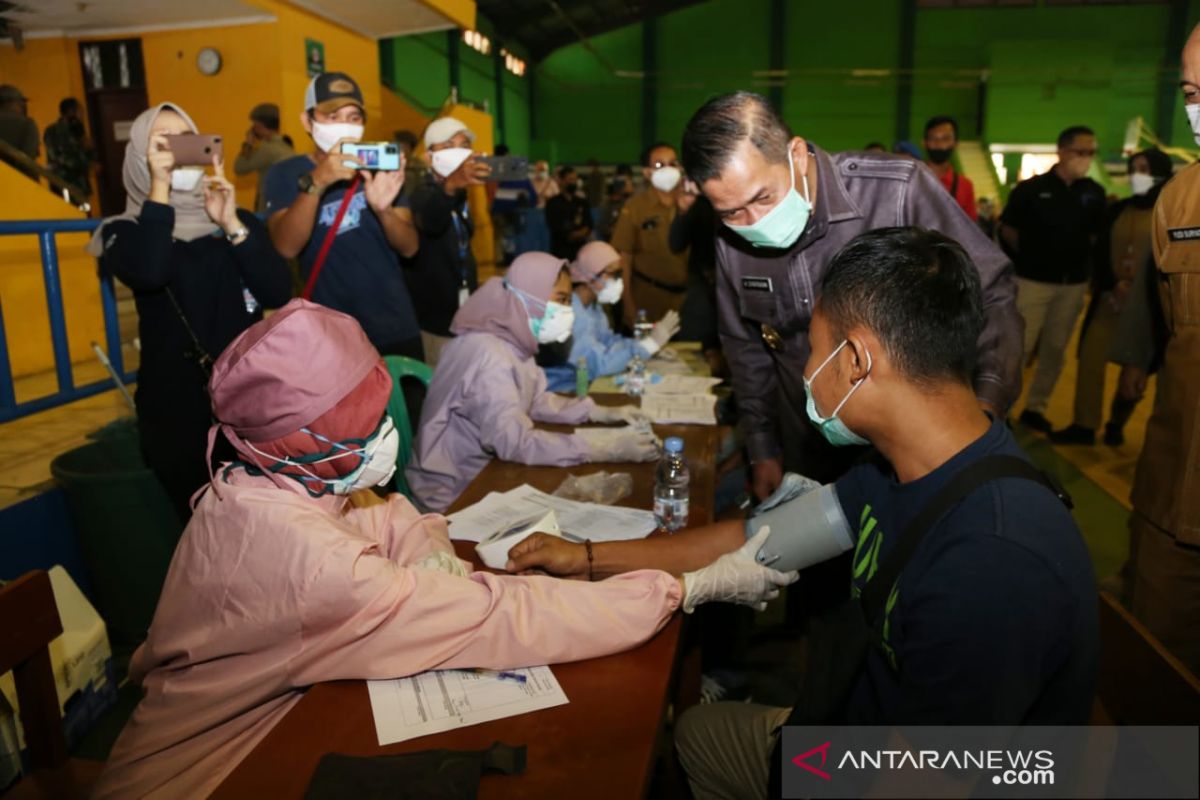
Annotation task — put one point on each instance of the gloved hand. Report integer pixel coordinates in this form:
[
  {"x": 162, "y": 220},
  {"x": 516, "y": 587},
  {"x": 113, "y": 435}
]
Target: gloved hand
[
  {"x": 792, "y": 486},
  {"x": 661, "y": 333},
  {"x": 620, "y": 444},
  {"x": 629, "y": 413},
  {"x": 441, "y": 561},
  {"x": 736, "y": 578}
]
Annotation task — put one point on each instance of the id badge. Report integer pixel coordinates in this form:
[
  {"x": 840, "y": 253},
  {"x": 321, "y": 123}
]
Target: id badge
[{"x": 463, "y": 293}]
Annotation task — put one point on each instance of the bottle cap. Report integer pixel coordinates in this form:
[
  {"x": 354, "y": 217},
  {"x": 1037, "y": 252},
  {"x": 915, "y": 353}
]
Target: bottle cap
[{"x": 673, "y": 444}]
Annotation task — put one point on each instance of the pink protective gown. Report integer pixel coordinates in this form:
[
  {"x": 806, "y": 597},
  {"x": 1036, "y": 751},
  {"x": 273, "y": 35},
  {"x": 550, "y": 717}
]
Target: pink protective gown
[
  {"x": 488, "y": 391},
  {"x": 271, "y": 591}
]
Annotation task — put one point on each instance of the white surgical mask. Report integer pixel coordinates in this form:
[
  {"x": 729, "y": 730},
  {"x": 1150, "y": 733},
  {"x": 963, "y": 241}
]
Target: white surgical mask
[
  {"x": 665, "y": 179},
  {"x": 186, "y": 179},
  {"x": 556, "y": 324},
  {"x": 1193, "y": 115},
  {"x": 445, "y": 162},
  {"x": 612, "y": 291},
  {"x": 1141, "y": 182},
  {"x": 378, "y": 460},
  {"x": 327, "y": 134}
]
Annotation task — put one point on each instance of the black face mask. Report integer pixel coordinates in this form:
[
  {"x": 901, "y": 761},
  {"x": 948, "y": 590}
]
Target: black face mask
[
  {"x": 570, "y": 188},
  {"x": 939, "y": 155},
  {"x": 554, "y": 354}
]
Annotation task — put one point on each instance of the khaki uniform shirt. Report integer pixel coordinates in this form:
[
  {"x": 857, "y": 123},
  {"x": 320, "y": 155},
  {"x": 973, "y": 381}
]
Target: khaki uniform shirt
[
  {"x": 268, "y": 153},
  {"x": 1166, "y": 488},
  {"x": 659, "y": 276}
]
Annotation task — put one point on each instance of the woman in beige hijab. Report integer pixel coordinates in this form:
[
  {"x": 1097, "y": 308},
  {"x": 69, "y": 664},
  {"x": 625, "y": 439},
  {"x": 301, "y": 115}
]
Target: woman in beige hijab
[{"x": 201, "y": 270}]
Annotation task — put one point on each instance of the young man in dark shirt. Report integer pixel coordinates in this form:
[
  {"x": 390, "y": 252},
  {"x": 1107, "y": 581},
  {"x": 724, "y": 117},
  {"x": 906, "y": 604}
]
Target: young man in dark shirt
[
  {"x": 361, "y": 275},
  {"x": 1050, "y": 224},
  {"x": 443, "y": 273},
  {"x": 992, "y": 620}
]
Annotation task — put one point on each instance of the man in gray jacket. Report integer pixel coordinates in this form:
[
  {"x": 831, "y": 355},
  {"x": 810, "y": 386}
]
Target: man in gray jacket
[{"x": 787, "y": 208}]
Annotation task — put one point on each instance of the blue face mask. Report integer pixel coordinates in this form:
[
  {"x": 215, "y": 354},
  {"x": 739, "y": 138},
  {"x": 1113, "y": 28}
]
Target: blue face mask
[
  {"x": 783, "y": 224},
  {"x": 832, "y": 427}
]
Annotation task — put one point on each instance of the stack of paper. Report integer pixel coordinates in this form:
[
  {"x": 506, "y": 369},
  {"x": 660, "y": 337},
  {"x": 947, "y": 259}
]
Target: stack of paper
[
  {"x": 681, "y": 409},
  {"x": 444, "y": 700},
  {"x": 682, "y": 384},
  {"x": 500, "y": 510}
]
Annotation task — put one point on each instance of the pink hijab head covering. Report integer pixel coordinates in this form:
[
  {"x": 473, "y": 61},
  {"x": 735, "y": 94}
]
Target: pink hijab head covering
[
  {"x": 191, "y": 220},
  {"x": 499, "y": 310},
  {"x": 593, "y": 258},
  {"x": 305, "y": 367}
]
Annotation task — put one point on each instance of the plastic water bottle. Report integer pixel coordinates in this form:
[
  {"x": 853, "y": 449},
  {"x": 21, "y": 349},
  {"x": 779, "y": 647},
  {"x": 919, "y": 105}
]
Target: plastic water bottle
[
  {"x": 635, "y": 377},
  {"x": 581, "y": 378},
  {"x": 671, "y": 485},
  {"x": 642, "y": 326}
]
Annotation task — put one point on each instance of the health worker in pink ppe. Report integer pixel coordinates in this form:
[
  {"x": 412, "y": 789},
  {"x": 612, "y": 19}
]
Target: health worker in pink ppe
[
  {"x": 279, "y": 583},
  {"x": 488, "y": 390}
]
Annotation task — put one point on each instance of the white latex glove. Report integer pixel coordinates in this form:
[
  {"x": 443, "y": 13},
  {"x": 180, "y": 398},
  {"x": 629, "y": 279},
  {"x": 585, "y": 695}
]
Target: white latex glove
[
  {"x": 629, "y": 413},
  {"x": 736, "y": 578},
  {"x": 441, "y": 561},
  {"x": 665, "y": 328},
  {"x": 620, "y": 445}
]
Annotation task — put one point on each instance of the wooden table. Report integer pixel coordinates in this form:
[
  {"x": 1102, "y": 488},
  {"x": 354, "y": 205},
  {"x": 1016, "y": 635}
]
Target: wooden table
[{"x": 602, "y": 744}]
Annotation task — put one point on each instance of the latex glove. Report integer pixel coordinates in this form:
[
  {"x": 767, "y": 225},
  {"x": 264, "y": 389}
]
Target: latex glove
[
  {"x": 620, "y": 445},
  {"x": 441, "y": 561},
  {"x": 661, "y": 333},
  {"x": 792, "y": 486},
  {"x": 736, "y": 578},
  {"x": 627, "y": 414}
]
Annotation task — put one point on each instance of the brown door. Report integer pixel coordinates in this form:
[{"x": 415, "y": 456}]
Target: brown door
[{"x": 116, "y": 93}]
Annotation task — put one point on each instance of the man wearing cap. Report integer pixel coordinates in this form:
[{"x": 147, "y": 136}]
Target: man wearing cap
[
  {"x": 263, "y": 149},
  {"x": 443, "y": 273},
  {"x": 361, "y": 274},
  {"x": 16, "y": 128}
]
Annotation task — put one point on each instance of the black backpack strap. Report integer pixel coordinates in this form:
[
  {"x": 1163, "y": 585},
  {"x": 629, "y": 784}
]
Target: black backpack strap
[{"x": 967, "y": 480}]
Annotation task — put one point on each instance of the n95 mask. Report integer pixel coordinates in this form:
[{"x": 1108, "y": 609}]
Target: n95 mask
[
  {"x": 327, "y": 134},
  {"x": 445, "y": 162}
]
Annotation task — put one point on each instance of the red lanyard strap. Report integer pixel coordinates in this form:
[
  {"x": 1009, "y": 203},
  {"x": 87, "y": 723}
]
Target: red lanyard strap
[{"x": 329, "y": 236}]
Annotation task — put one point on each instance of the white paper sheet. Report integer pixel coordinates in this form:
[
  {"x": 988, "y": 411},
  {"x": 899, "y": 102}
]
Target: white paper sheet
[
  {"x": 682, "y": 384},
  {"x": 579, "y": 520},
  {"x": 443, "y": 700},
  {"x": 681, "y": 409}
]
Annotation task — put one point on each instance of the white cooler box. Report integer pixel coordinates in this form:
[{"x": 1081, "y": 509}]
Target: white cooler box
[{"x": 83, "y": 674}]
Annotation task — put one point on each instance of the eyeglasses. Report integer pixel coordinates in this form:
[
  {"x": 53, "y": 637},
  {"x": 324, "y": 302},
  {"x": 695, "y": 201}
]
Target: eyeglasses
[
  {"x": 661, "y": 164},
  {"x": 1081, "y": 152}
]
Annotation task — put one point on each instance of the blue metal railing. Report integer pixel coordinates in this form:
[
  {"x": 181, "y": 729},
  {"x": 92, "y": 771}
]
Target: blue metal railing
[{"x": 67, "y": 392}]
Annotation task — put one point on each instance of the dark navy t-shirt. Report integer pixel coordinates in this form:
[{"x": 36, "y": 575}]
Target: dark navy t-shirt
[
  {"x": 994, "y": 618},
  {"x": 362, "y": 274}
]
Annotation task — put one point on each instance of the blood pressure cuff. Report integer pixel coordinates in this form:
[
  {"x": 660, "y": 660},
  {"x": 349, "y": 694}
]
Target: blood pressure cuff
[{"x": 807, "y": 524}]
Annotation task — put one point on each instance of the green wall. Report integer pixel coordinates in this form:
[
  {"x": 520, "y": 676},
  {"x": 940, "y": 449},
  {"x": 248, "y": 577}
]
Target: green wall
[
  {"x": 1048, "y": 67},
  {"x": 419, "y": 67}
]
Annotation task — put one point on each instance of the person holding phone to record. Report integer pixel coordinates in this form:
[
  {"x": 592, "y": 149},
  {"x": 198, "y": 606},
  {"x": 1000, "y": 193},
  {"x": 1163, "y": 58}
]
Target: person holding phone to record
[{"x": 201, "y": 270}]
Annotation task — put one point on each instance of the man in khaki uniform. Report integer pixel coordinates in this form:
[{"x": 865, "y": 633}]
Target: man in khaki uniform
[
  {"x": 655, "y": 277},
  {"x": 262, "y": 149},
  {"x": 1165, "y": 526}
]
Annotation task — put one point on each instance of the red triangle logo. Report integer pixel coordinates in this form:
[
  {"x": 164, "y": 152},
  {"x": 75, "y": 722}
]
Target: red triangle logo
[{"x": 801, "y": 761}]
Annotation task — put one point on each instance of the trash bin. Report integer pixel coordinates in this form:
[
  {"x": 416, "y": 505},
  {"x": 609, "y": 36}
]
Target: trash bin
[{"x": 127, "y": 527}]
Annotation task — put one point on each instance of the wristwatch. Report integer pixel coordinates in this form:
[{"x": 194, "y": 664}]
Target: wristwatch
[
  {"x": 238, "y": 236},
  {"x": 306, "y": 184}
]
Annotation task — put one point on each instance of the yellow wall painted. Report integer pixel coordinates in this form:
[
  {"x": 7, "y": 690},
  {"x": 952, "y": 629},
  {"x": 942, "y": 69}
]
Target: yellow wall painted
[
  {"x": 262, "y": 62},
  {"x": 22, "y": 292},
  {"x": 462, "y": 12}
]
